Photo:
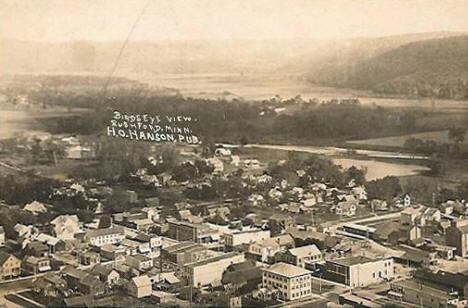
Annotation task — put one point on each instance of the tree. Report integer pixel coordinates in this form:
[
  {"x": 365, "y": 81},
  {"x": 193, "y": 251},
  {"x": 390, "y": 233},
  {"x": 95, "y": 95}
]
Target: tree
[
  {"x": 243, "y": 140},
  {"x": 457, "y": 134},
  {"x": 85, "y": 216},
  {"x": 117, "y": 202},
  {"x": 387, "y": 188},
  {"x": 437, "y": 165},
  {"x": 407, "y": 121},
  {"x": 105, "y": 222},
  {"x": 358, "y": 175}
]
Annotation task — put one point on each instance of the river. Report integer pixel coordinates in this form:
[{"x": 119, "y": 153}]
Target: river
[{"x": 375, "y": 168}]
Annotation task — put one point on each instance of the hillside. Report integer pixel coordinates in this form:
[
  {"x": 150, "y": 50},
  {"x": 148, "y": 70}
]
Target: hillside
[{"x": 429, "y": 68}]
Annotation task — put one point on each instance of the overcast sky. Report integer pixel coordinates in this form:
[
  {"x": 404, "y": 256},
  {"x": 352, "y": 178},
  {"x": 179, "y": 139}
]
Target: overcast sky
[{"x": 65, "y": 20}]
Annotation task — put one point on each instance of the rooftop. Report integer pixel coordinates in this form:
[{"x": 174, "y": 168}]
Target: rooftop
[
  {"x": 305, "y": 251},
  {"x": 352, "y": 261},
  {"x": 214, "y": 259},
  {"x": 287, "y": 270},
  {"x": 106, "y": 231}
]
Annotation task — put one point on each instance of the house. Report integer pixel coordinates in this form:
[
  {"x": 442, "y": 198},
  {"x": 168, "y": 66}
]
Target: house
[
  {"x": 35, "y": 208},
  {"x": 416, "y": 257},
  {"x": 89, "y": 258},
  {"x": 134, "y": 247},
  {"x": 292, "y": 282},
  {"x": 359, "y": 271},
  {"x": 153, "y": 241},
  {"x": 359, "y": 192},
  {"x": 457, "y": 236},
  {"x": 53, "y": 244},
  {"x": 405, "y": 234},
  {"x": 2, "y": 236},
  {"x": 100, "y": 237},
  {"x": 308, "y": 237},
  {"x": 106, "y": 274},
  {"x": 412, "y": 215},
  {"x": 139, "y": 262},
  {"x": 251, "y": 164},
  {"x": 35, "y": 265},
  {"x": 24, "y": 231},
  {"x": 216, "y": 163},
  {"x": 51, "y": 285},
  {"x": 83, "y": 282},
  {"x": 165, "y": 280},
  {"x": 447, "y": 207},
  {"x": 64, "y": 227},
  {"x": 10, "y": 266},
  {"x": 417, "y": 293},
  {"x": 265, "y": 250},
  {"x": 303, "y": 256},
  {"x": 383, "y": 231},
  {"x": 378, "y": 205},
  {"x": 405, "y": 202},
  {"x": 37, "y": 249},
  {"x": 223, "y": 152},
  {"x": 210, "y": 271},
  {"x": 92, "y": 286},
  {"x": 112, "y": 252},
  {"x": 346, "y": 208},
  {"x": 140, "y": 287}
]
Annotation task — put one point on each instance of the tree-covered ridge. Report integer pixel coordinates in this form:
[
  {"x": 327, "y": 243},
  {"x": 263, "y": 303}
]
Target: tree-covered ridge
[{"x": 430, "y": 68}]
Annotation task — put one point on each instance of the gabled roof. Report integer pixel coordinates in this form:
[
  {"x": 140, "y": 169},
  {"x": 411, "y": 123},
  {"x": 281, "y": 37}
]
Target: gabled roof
[
  {"x": 101, "y": 270},
  {"x": 105, "y": 231},
  {"x": 65, "y": 219},
  {"x": 45, "y": 238},
  {"x": 5, "y": 256},
  {"x": 141, "y": 281}
]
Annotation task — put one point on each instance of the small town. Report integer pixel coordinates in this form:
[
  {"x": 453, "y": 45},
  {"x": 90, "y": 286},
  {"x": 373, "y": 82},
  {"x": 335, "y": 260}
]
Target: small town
[
  {"x": 275, "y": 235},
  {"x": 234, "y": 153}
]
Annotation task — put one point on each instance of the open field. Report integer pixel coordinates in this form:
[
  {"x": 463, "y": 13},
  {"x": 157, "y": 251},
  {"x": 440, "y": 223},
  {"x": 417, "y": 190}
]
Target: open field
[
  {"x": 260, "y": 87},
  {"x": 14, "y": 120},
  {"x": 399, "y": 141}
]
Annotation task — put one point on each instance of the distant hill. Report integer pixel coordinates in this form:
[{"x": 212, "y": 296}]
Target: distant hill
[
  {"x": 432, "y": 68},
  {"x": 141, "y": 57}
]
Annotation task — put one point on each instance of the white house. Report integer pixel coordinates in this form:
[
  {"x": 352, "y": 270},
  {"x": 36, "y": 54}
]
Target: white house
[
  {"x": 35, "y": 208},
  {"x": 140, "y": 287},
  {"x": 65, "y": 226}
]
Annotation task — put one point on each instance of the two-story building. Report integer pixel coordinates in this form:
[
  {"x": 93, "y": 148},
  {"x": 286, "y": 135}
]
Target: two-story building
[
  {"x": 359, "y": 271},
  {"x": 303, "y": 256},
  {"x": 10, "y": 266},
  {"x": 101, "y": 237},
  {"x": 457, "y": 236}
]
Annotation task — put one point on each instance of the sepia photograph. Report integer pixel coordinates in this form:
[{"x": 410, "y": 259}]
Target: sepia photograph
[{"x": 234, "y": 153}]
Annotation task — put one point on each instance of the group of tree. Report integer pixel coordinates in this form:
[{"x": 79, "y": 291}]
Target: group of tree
[{"x": 222, "y": 120}]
